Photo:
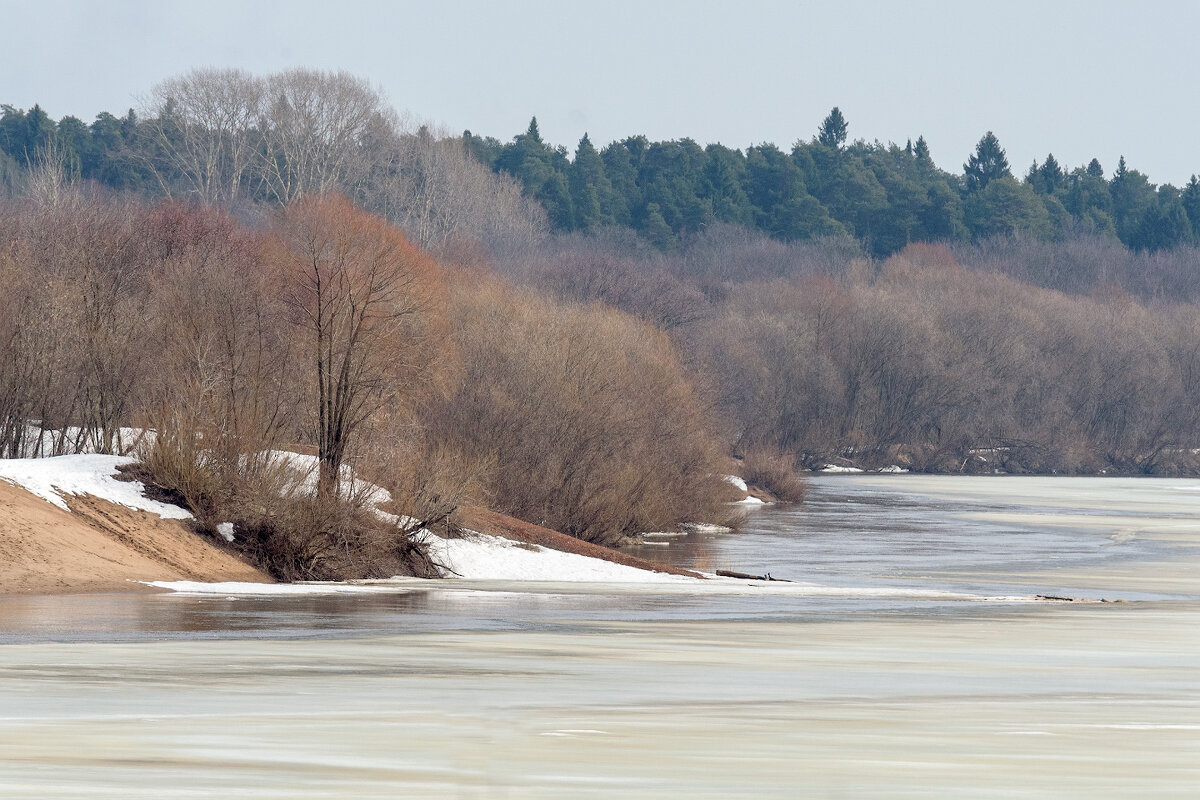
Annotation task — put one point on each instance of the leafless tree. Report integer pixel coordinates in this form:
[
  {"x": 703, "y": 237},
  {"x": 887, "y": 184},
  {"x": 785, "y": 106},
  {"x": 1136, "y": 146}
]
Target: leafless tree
[
  {"x": 317, "y": 128},
  {"x": 438, "y": 192},
  {"x": 201, "y": 134},
  {"x": 363, "y": 301}
]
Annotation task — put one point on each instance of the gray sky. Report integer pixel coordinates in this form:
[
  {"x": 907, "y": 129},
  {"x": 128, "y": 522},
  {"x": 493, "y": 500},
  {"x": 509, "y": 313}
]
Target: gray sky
[{"x": 1078, "y": 79}]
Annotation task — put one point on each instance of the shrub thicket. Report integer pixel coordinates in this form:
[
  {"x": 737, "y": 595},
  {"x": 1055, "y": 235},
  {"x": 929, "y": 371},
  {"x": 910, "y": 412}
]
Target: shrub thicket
[{"x": 583, "y": 412}]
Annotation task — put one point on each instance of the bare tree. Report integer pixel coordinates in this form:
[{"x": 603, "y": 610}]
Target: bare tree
[
  {"x": 438, "y": 192},
  {"x": 53, "y": 180},
  {"x": 201, "y": 133},
  {"x": 316, "y": 128},
  {"x": 363, "y": 299}
]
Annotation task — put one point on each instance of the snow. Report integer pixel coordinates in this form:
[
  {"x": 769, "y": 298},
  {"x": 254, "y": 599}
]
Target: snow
[
  {"x": 53, "y": 479},
  {"x": 836, "y": 468},
  {"x": 479, "y": 557},
  {"x": 39, "y": 442},
  {"x": 245, "y": 589},
  {"x": 226, "y": 531},
  {"x": 894, "y": 469},
  {"x": 750, "y": 500},
  {"x": 705, "y": 527},
  {"x": 306, "y": 470},
  {"x": 677, "y": 585},
  {"x": 737, "y": 482}
]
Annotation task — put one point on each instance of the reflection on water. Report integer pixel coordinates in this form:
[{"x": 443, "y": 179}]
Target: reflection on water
[{"x": 491, "y": 691}]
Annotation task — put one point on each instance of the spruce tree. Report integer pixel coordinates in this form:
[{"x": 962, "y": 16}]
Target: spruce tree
[
  {"x": 921, "y": 152},
  {"x": 986, "y": 164},
  {"x": 1051, "y": 174},
  {"x": 587, "y": 183},
  {"x": 556, "y": 199},
  {"x": 833, "y": 130}
]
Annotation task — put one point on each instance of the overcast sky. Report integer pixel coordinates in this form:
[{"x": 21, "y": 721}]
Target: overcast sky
[{"x": 1084, "y": 79}]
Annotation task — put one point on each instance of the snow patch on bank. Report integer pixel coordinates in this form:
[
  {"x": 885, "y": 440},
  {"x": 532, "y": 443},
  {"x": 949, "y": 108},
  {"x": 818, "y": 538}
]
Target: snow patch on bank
[
  {"x": 39, "y": 442},
  {"x": 247, "y": 589},
  {"x": 56, "y": 478},
  {"x": 306, "y": 470},
  {"x": 479, "y": 557},
  {"x": 669, "y": 585}
]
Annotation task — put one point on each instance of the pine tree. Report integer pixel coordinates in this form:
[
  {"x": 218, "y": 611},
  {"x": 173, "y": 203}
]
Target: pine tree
[{"x": 621, "y": 172}]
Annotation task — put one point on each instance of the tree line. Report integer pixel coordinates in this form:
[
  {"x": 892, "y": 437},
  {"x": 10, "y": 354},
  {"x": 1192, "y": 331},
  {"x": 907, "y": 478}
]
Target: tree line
[
  {"x": 887, "y": 196},
  {"x": 227, "y": 136}
]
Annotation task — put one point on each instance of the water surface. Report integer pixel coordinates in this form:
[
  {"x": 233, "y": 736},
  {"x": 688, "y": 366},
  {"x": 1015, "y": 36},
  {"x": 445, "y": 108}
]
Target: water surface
[{"x": 879, "y": 687}]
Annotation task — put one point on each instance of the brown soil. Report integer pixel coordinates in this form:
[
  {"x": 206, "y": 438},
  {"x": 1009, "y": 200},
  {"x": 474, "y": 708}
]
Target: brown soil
[
  {"x": 100, "y": 546},
  {"x": 496, "y": 524}
]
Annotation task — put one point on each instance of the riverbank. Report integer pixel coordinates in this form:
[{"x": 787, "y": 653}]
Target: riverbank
[
  {"x": 73, "y": 524},
  {"x": 96, "y": 545}
]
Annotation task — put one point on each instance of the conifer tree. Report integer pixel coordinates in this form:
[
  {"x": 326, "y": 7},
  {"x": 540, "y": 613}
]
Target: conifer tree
[
  {"x": 1190, "y": 198},
  {"x": 555, "y": 197},
  {"x": 987, "y": 163},
  {"x": 588, "y": 184},
  {"x": 921, "y": 152},
  {"x": 656, "y": 230},
  {"x": 833, "y": 130},
  {"x": 1051, "y": 174}
]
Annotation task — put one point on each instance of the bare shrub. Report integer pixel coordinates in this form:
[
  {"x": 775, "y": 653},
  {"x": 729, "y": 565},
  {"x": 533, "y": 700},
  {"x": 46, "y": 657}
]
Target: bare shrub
[
  {"x": 325, "y": 336},
  {"x": 776, "y": 472},
  {"x": 75, "y": 334},
  {"x": 584, "y": 412}
]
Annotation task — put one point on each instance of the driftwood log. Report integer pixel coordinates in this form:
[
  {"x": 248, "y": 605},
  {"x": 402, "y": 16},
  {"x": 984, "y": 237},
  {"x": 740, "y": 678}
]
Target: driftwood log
[{"x": 725, "y": 573}]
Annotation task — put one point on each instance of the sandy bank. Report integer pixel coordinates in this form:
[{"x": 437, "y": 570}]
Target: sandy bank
[
  {"x": 74, "y": 524},
  {"x": 101, "y": 546}
]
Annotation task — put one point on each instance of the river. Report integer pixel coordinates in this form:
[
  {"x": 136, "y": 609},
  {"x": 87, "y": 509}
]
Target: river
[{"x": 910, "y": 659}]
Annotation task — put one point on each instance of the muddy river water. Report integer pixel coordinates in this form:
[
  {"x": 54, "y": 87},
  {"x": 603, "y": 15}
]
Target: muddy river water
[{"x": 910, "y": 661}]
